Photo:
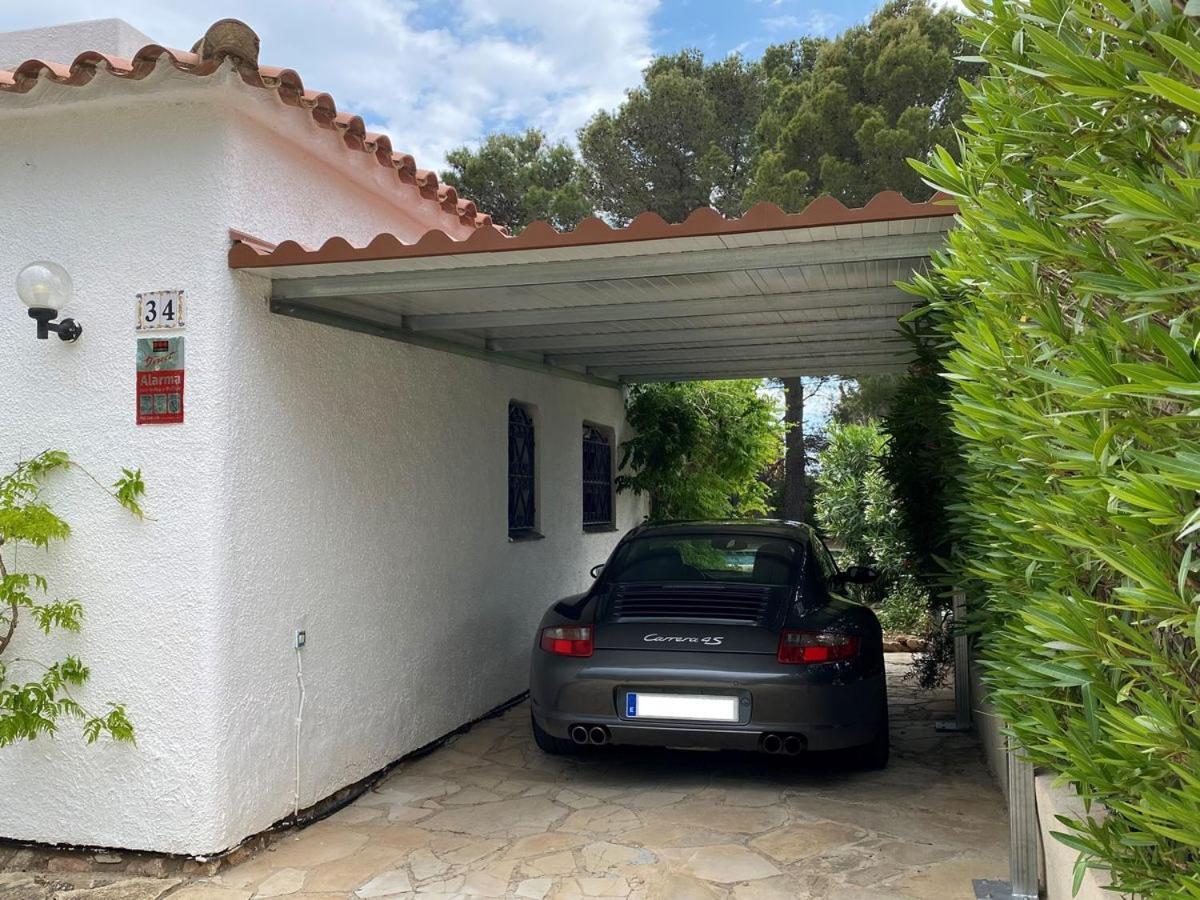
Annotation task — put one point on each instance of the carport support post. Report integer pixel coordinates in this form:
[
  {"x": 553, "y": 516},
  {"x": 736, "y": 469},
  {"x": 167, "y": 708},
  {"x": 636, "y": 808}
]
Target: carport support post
[
  {"x": 1022, "y": 824},
  {"x": 1023, "y": 883},
  {"x": 962, "y": 668}
]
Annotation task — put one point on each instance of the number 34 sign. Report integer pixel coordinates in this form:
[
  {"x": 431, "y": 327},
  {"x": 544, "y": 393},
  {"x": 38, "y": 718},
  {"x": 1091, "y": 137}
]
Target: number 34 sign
[{"x": 160, "y": 309}]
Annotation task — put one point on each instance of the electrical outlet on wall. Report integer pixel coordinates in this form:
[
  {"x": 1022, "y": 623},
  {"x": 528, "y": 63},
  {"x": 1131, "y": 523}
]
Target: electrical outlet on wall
[{"x": 301, "y": 638}]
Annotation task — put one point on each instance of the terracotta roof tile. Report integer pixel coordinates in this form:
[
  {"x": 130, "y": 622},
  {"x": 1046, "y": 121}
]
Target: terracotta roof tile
[
  {"x": 232, "y": 40},
  {"x": 883, "y": 207}
]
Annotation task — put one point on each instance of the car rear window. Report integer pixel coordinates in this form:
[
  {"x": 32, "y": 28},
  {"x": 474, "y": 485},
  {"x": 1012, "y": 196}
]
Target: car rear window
[{"x": 752, "y": 559}]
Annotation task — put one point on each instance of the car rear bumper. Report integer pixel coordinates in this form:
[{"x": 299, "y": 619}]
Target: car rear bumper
[{"x": 831, "y": 706}]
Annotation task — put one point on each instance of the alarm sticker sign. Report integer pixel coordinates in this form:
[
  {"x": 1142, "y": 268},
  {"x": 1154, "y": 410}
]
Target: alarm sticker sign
[{"x": 159, "y": 381}]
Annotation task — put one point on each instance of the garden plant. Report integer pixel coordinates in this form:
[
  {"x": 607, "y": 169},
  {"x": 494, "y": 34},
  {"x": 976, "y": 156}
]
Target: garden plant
[
  {"x": 699, "y": 447},
  {"x": 1070, "y": 298},
  {"x": 923, "y": 463},
  {"x": 856, "y": 506},
  {"x": 32, "y": 708}
]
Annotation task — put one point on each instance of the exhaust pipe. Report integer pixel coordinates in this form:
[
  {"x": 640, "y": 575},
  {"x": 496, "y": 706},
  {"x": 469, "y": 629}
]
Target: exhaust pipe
[
  {"x": 792, "y": 745},
  {"x": 772, "y": 744},
  {"x": 579, "y": 734},
  {"x": 598, "y": 735}
]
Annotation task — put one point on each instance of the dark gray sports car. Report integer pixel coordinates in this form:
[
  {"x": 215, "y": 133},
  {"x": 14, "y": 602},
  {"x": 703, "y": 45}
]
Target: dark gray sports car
[{"x": 714, "y": 634}]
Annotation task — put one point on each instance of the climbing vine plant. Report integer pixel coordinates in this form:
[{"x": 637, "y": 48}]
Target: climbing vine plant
[{"x": 34, "y": 707}]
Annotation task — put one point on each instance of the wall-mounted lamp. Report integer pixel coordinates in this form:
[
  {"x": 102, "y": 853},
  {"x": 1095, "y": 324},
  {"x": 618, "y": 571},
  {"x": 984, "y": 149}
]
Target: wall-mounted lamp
[{"x": 45, "y": 287}]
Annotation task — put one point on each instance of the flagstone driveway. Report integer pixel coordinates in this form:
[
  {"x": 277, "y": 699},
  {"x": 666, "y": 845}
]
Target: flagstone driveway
[{"x": 489, "y": 815}]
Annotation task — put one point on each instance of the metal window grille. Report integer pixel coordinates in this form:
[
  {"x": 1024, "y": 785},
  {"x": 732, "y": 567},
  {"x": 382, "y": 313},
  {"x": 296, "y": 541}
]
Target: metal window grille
[
  {"x": 520, "y": 470},
  {"x": 597, "y": 478}
]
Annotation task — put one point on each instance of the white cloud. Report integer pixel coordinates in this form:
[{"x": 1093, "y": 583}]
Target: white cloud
[
  {"x": 431, "y": 74},
  {"x": 818, "y": 22},
  {"x": 783, "y": 23}
]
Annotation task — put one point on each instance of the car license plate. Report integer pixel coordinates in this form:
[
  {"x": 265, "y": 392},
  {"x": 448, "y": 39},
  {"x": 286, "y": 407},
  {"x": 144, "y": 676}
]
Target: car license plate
[{"x": 693, "y": 708}]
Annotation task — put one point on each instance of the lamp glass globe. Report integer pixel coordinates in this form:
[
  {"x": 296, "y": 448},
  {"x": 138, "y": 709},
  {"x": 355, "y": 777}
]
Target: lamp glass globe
[{"x": 44, "y": 285}]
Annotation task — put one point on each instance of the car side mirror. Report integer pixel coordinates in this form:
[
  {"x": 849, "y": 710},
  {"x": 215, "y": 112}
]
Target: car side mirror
[
  {"x": 596, "y": 570},
  {"x": 858, "y": 575}
]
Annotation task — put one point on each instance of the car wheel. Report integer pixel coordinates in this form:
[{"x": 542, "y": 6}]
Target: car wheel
[
  {"x": 548, "y": 743},
  {"x": 875, "y": 754}
]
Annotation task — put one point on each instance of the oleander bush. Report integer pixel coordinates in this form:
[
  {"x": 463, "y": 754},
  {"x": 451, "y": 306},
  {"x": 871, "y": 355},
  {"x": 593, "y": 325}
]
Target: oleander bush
[
  {"x": 923, "y": 464},
  {"x": 1075, "y": 390}
]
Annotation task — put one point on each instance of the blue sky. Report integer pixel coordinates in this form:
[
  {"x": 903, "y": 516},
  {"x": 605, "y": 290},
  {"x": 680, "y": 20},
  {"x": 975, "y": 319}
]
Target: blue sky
[
  {"x": 435, "y": 74},
  {"x": 719, "y": 27}
]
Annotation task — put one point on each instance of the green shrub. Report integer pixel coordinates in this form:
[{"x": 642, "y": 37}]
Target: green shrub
[
  {"x": 699, "y": 448},
  {"x": 905, "y": 609},
  {"x": 1075, "y": 388},
  {"x": 923, "y": 464},
  {"x": 856, "y": 508},
  {"x": 922, "y": 460}
]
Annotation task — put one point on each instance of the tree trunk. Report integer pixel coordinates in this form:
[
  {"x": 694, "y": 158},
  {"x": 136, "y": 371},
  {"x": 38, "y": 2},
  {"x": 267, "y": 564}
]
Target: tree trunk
[{"x": 795, "y": 491}]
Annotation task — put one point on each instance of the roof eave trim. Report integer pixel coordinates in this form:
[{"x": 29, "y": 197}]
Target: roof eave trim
[{"x": 825, "y": 211}]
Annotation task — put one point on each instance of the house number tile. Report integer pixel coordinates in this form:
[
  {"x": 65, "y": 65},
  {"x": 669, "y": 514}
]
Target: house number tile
[{"x": 159, "y": 310}]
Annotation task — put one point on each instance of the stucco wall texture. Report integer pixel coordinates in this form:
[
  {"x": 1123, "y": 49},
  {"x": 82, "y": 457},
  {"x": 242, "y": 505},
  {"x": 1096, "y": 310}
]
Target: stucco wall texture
[
  {"x": 339, "y": 483},
  {"x": 62, "y": 43}
]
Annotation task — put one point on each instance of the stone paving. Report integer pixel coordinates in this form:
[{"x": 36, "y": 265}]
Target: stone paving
[{"x": 488, "y": 815}]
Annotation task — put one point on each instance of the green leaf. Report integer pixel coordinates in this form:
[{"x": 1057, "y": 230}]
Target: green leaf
[
  {"x": 129, "y": 488},
  {"x": 1185, "y": 53},
  {"x": 1078, "y": 872},
  {"x": 1175, "y": 91}
]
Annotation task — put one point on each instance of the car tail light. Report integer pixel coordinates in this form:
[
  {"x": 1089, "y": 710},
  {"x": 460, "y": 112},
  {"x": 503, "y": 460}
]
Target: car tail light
[
  {"x": 816, "y": 647},
  {"x": 575, "y": 641}
]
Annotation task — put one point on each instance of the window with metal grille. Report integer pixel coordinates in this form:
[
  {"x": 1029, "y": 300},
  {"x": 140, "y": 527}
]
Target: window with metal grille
[
  {"x": 521, "y": 481},
  {"x": 597, "y": 478}
]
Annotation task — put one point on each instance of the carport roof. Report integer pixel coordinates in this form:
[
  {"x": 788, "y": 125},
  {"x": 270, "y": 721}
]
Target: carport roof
[{"x": 766, "y": 294}]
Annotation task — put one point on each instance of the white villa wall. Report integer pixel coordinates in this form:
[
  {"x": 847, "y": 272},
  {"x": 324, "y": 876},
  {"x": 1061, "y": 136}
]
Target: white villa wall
[
  {"x": 62, "y": 43},
  {"x": 371, "y": 479},
  {"x": 111, "y": 194},
  {"x": 383, "y": 533},
  {"x": 280, "y": 503}
]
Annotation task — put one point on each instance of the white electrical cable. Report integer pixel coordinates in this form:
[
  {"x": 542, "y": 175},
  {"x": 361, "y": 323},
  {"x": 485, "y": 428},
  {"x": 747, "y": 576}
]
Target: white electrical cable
[{"x": 299, "y": 721}]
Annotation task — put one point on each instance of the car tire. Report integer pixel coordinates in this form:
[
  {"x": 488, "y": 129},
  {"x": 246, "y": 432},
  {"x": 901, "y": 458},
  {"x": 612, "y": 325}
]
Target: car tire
[
  {"x": 548, "y": 743},
  {"x": 875, "y": 754}
]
